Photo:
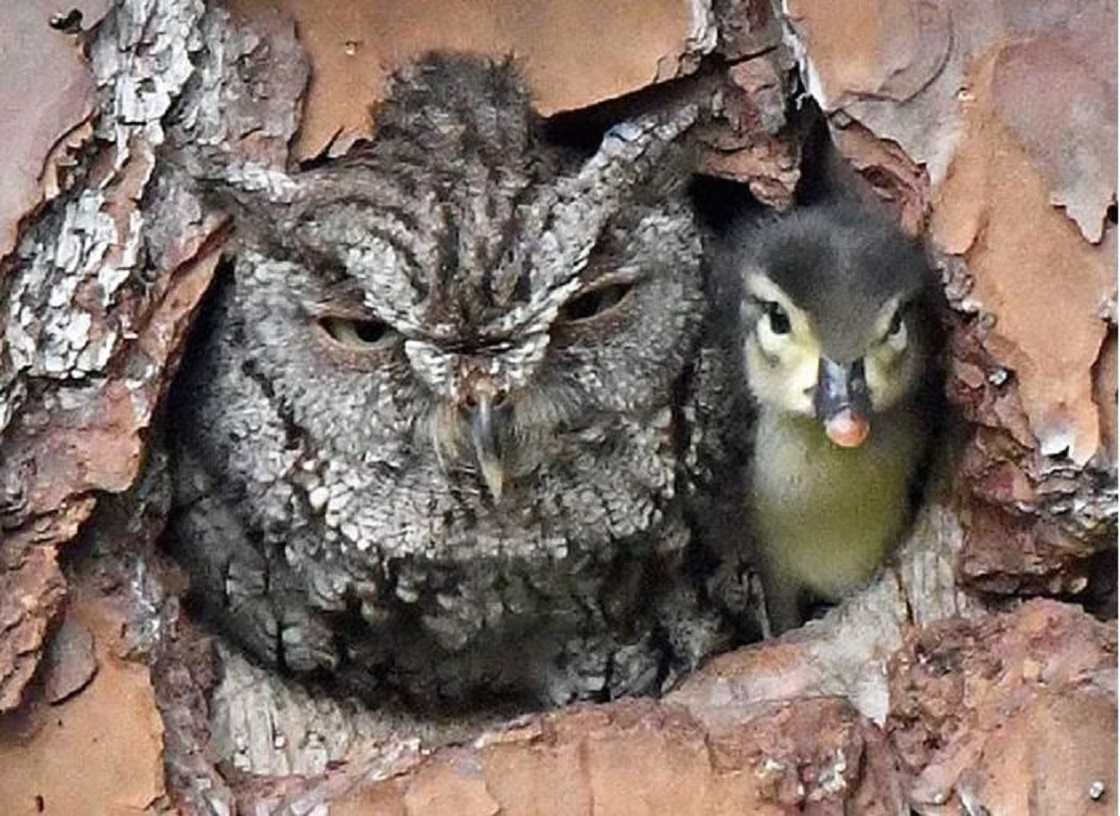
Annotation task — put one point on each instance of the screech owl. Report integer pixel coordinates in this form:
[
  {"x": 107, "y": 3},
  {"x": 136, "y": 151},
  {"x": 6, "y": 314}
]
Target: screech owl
[{"x": 431, "y": 435}]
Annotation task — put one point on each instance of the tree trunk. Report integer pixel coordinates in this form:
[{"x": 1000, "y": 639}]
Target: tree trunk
[{"x": 977, "y": 673}]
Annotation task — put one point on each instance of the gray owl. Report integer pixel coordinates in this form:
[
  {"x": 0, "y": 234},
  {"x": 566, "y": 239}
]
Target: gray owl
[{"x": 429, "y": 440}]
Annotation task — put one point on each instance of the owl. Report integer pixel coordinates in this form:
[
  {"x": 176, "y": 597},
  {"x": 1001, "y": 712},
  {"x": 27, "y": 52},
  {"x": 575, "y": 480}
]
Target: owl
[{"x": 429, "y": 440}]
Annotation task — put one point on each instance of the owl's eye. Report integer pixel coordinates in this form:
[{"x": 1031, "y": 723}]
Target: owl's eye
[
  {"x": 595, "y": 302},
  {"x": 363, "y": 335},
  {"x": 779, "y": 320}
]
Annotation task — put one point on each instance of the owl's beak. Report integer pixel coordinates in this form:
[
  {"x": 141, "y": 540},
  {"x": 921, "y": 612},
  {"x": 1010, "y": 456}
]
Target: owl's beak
[
  {"x": 486, "y": 439},
  {"x": 842, "y": 402}
]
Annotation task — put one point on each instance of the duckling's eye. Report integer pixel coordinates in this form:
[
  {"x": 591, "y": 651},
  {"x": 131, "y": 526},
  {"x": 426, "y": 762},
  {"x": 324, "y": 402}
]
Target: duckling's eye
[
  {"x": 895, "y": 327},
  {"x": 895, "y": 336},
  {"x": 779, "y": 320},
  {"x": 360, "y": 334}
]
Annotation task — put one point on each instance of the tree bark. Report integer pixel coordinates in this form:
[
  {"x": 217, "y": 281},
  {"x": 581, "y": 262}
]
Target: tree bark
[{"x": 988, "y": 127}]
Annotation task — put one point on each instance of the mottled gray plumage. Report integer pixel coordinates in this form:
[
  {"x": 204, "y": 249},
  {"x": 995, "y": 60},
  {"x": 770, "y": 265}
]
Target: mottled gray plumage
[
  {"x": 837, "y": 332},
  {"x": 431, "y": 435}
]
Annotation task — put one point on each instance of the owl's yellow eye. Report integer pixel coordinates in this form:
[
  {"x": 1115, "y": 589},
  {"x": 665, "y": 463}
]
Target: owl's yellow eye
[
  {"x": 595, "y": 302},
  {"x": 360, "y": 334}
]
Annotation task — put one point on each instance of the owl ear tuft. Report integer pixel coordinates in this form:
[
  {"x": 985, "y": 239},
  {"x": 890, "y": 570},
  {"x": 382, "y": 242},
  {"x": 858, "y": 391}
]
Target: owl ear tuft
[
  {"x": 256, "y": 196},
  {"x": 649, "y": 153}
]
